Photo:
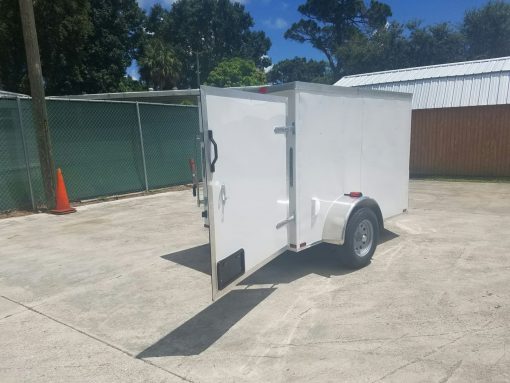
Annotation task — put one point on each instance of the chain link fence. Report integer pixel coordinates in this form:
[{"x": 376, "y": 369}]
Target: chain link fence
[{"x": 103, "y": 147}]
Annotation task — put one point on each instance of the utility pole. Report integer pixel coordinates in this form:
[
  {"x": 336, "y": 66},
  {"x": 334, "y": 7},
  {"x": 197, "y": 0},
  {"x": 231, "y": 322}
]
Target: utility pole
[
  {"x": 38, "y": 102},
  {"x": 198, "y": 71}
]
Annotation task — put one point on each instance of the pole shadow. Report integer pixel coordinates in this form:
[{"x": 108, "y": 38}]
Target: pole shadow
[{"x": 200, "y": 332}]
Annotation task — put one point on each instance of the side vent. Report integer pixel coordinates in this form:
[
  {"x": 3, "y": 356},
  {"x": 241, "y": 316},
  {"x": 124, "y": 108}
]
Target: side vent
[{"x": 230, "y": 268}]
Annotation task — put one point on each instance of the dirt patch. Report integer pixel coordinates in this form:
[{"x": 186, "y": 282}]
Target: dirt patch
[
  {"x": 131, "y": 195},
  {"x": 14, "y": 213},
  {"x": 21, "y": 213}
]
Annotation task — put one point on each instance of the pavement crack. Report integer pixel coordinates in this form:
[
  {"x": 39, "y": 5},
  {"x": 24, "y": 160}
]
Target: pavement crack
[
  {"x": 304, "y": 312},
  {"x": 451, "y": 371},
  {"x": 108, "y": 344},
  {"x": 265, "y": 356},
  {"x": 418, "y": 359},
  {"x": 502, "y": 355}
]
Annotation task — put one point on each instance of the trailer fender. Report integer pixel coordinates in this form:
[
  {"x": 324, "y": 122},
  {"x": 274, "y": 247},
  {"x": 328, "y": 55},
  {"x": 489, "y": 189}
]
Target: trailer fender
[{"x": 339, "y": 213}]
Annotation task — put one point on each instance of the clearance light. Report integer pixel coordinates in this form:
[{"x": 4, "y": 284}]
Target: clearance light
[
  {"x": 355, "y": 194},
  {"x": 263, "y": 89}
]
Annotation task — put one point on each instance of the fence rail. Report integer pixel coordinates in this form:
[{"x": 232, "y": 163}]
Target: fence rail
[{"x": 104, "y": 148}]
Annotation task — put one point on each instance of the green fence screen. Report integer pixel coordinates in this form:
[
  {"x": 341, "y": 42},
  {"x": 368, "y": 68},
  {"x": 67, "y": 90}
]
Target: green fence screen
[{"x": 98, "y": 145}]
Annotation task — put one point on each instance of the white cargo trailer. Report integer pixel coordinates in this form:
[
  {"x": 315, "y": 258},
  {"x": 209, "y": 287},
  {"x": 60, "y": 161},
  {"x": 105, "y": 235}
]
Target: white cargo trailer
[{"x": 299, "y": 164}]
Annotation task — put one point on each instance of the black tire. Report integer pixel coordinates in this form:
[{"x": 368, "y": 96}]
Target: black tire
[{"x": 361, "y": 238}]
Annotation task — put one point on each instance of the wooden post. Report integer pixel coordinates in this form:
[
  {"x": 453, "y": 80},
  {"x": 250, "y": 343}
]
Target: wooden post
[{"x": 38, "y": 101}]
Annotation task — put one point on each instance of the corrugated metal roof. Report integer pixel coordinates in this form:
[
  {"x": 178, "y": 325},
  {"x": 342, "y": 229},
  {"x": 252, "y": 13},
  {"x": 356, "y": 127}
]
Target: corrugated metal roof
[{"x": 471, "y": 83}]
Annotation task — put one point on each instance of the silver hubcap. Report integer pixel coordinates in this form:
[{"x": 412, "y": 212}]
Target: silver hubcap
[{"x": 363, "y": 238}]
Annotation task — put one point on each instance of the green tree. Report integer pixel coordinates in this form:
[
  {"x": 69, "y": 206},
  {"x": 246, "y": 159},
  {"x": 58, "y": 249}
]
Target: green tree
[
  {"x": 85, "y": 45},
  {"x": 214, "y": 30},
  {"x": 12, "y": 59},
  {"x": 299, "y": 69},
  {"x": 329, "y": 24},
  {"x": 435, "y": 44},
  {"x": 159, "y": 67},
  {"x": 386, "y": 49},
  {"x": 398, "y": 46},
  {"x": 118, "y": 26},
  {"x": 157, "y": 20},
  {"x": 236, "y": 72},
  {"x": 66, "y": 26},
  {"x": 63, "y": 27},
  {"x": 129, "y": 84},
  {"x": 487, "y": 31}
]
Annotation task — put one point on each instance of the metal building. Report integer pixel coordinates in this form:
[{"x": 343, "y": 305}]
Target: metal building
[{"x": 461, "y": 115}]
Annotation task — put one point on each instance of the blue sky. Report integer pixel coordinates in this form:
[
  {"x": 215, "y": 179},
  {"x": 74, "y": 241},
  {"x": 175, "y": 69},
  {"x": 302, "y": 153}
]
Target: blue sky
[{"x": 275, "y": 16}]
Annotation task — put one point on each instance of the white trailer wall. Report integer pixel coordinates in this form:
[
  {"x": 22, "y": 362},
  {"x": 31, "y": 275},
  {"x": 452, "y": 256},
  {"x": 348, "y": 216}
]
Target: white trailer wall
[{"x": 346, "y": 140}]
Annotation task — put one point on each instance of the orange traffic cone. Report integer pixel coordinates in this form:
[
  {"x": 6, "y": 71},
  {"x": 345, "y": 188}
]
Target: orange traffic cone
[{"x": 62, "y": 202}]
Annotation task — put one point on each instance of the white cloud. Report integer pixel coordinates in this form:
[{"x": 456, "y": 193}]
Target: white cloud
[
  {"x": 277, "y": 23},
  {"x": 132, "y": 70}
]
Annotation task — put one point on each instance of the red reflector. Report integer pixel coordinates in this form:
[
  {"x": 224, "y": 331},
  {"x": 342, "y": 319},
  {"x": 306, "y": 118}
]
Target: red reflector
[
  {"x": 355, "y": 194},
  {"x": 263, "y": 89},
  {"x": 192, "y": 165}
]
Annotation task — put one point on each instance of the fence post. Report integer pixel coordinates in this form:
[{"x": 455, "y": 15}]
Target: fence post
[
  {"x": 25, "y": 151},
  {"x": 141, "y": 145}
]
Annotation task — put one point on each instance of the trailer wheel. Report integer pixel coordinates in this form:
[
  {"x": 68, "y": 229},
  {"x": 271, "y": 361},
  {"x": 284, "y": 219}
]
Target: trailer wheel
[{"x": 361, "y": 238}]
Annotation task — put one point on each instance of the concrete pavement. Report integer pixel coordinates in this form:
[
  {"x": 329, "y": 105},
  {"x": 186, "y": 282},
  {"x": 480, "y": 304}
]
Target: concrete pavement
[{"x": 120, "y": 292}]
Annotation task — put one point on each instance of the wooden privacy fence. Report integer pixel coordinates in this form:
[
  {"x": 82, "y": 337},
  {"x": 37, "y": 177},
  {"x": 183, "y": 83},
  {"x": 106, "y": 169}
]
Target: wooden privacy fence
[{"x": 468, "y": 141}]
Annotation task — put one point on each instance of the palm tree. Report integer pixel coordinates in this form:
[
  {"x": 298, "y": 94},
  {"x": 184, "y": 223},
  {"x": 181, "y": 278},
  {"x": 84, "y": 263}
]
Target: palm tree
[{"x": 159, "y": 66}]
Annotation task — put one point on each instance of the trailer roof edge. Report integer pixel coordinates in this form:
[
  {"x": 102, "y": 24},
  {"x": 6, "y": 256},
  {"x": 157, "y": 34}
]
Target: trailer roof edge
[{"x": 335, "y": 89}]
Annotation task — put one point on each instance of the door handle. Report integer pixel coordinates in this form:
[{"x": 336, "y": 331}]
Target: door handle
[
  {"x": 223, "y": 194},
  {"x": 285, "y": 222},
  {"x": 213, "y": 163}
]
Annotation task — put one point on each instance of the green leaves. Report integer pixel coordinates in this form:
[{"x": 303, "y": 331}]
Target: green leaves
[
  {"x": 236, "y": 72},
  {"x": 329, "y": 24},
  {"x": 487, "y": 30},
  {"x": 356, "y": 38},
  {"x": 85, "y": 45},
  {"x": 299, "y": 69},
  {"x": 159, "y": 65},
  {"x": 215, "y": 30},
  {"x": 113, "y": 44}
]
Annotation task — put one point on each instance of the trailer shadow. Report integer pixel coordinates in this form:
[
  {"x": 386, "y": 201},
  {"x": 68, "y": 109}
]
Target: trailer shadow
[
  {"x": 202, "y": 330},
  {"x": 324, "y": 256},
  {"x": 386, "y": 236},
  {"x": 323, "y": 259},
  {"x": 197, "y": 258}
]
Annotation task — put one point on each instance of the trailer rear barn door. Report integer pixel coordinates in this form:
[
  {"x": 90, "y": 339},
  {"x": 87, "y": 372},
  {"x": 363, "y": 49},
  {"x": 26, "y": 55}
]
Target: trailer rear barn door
[{"x": 246, "y": 181}]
